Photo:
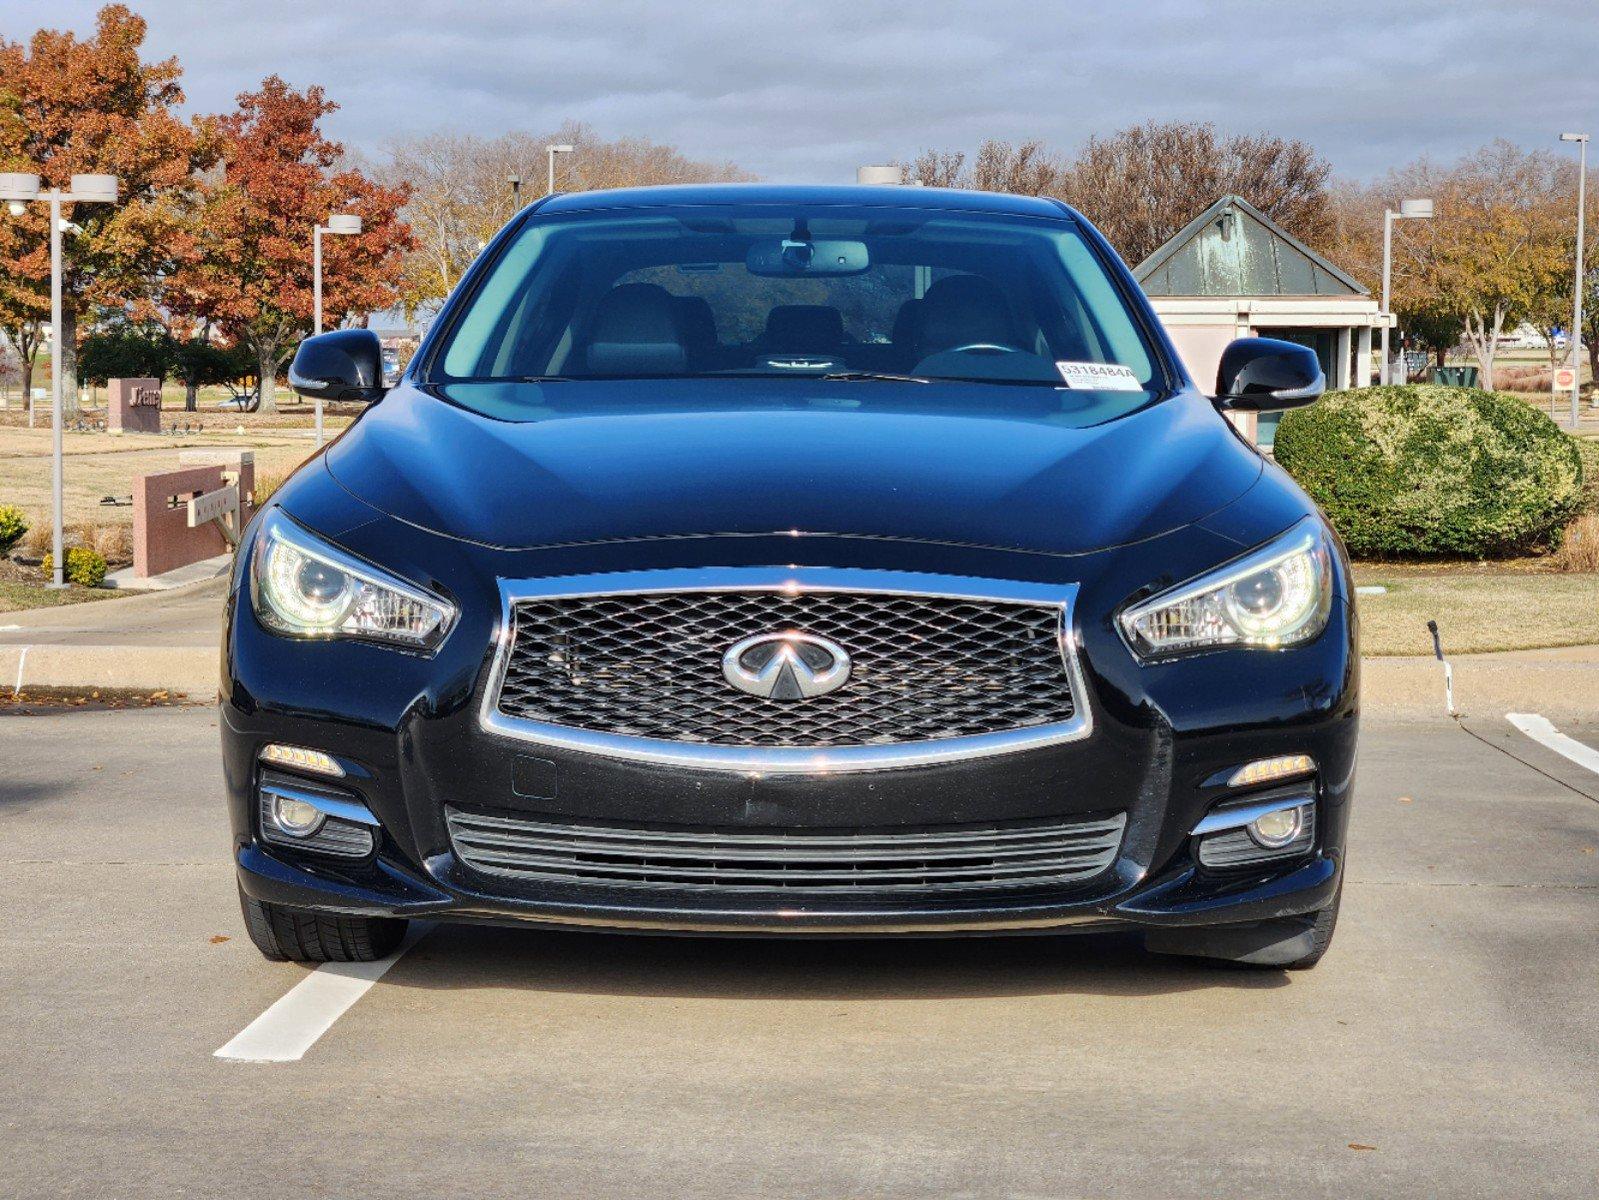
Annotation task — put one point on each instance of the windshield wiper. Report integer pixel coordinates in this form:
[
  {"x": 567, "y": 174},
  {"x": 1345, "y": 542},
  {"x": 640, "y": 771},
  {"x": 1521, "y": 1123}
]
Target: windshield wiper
[{"x": 872, "y": 376}]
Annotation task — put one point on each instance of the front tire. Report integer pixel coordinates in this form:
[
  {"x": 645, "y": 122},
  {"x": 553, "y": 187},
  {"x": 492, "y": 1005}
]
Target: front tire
[
  {"x": 1321, "y": 934},
  {"x": 282, "y": 934}
]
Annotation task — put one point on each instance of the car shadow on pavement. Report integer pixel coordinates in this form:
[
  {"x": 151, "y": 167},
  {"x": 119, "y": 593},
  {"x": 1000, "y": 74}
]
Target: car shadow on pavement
[
  {"x": 17, "y": 796},
  {"x": 457, "y": 957}
]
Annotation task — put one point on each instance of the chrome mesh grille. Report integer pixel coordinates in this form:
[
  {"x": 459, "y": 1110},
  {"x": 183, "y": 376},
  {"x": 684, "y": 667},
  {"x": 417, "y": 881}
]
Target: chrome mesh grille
[
  {"x": 650, "y": 665},
  {"x": 946, "y": 859}
]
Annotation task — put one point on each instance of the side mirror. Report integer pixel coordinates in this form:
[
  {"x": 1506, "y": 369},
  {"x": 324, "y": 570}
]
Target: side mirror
[
  {"x": 1263, "y": 374},
  {"x": 346, "y": 364}
]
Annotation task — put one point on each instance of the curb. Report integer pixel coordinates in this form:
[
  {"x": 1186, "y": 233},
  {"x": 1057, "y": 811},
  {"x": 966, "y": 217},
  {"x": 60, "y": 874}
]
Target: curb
[
  {"x": 1485, "y": 684},
  {"x": 188, "y": 671}
]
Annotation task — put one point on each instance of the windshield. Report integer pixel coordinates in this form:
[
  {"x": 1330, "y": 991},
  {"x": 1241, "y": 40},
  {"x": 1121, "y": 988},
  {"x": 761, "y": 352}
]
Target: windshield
[{"x": 797, "y": 291}]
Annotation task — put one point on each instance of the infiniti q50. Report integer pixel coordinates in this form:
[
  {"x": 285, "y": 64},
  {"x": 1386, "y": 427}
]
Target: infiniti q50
[{"x": 793, "y": 561}]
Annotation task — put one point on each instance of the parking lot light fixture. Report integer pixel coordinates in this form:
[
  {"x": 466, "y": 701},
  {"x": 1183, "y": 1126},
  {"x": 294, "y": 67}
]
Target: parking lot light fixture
[
  {"x": 17, "y": 190},
  {"x": 340, "y": 224},
  {"x": 1419, "y": 209},
  {"x": 1575, "y": 340}
]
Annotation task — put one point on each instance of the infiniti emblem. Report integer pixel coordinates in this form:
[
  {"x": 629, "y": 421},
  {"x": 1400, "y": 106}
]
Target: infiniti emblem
[{"x": 786, "y": 666}]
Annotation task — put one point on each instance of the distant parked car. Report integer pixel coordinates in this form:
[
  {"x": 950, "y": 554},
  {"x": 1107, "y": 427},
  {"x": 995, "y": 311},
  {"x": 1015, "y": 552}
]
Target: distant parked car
[{"x": 797, "y": 561}]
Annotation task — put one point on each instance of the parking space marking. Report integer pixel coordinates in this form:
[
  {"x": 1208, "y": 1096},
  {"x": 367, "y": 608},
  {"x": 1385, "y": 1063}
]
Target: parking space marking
[
  {"x": 1542, "y": 731},
  {"x": 308, "y": 1010}
]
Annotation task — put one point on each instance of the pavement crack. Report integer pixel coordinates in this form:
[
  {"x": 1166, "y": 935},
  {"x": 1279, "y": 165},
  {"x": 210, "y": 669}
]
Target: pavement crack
[
  {"x": 102, "y": 862},
  {"x": 1445, "y": 883}
]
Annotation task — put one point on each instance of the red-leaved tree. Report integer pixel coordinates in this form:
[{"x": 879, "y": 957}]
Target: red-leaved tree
[
  {"x": 72, "y": 105},
  {"x": 250, "y": 271}
]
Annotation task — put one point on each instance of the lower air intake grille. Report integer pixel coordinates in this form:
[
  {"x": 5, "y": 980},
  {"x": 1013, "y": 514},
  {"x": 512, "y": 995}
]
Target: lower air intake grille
[{"x": 952, "y": 858}]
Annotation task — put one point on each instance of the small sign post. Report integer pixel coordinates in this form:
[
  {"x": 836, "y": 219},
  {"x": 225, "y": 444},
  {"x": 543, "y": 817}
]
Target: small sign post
[{"x": 220, "y": 507}]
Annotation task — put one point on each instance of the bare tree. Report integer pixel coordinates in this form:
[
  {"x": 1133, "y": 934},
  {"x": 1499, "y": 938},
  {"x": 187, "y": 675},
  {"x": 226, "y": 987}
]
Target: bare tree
[
  {"x": 461, "y": 194},
  {"x": 940, "y": 168},
  {"x": 24, "y": 335},
  {"x": 1142, "y": 185}
]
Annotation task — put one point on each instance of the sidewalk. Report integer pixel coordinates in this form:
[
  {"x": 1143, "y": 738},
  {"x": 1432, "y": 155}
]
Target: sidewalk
[
  {"x": 161, "y": 641},
  {"x": 169, "y": 641}
]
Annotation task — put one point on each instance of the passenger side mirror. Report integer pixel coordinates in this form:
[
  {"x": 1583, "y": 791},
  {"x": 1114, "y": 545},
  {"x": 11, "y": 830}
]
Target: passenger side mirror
[
  {"x": 346, "y": 364},
  {"x": 1265, "y": 374}
]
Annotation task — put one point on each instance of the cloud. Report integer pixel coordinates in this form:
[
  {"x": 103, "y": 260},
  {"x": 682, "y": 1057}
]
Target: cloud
[{"x": 805, "y": 92}]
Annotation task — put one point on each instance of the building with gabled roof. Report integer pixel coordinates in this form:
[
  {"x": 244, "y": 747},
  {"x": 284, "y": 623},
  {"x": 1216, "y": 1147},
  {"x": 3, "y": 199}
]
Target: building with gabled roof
[{"x": 1234, "y": 272}]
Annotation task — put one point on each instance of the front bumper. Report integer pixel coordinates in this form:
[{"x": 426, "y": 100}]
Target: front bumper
[
  {"x": 444, "y": 891},
  {"x": 410, "y": 729}
]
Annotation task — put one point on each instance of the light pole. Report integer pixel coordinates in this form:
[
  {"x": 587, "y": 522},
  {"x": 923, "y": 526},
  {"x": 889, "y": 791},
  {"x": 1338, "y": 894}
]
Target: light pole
[
  {"x": 86, "y": 189},
  {"x": 1575, "y": 340},
  {"x": 552, "y": 151},
  {"x": 338, "y": 223},
  {"x": 1409, "y": 210}
]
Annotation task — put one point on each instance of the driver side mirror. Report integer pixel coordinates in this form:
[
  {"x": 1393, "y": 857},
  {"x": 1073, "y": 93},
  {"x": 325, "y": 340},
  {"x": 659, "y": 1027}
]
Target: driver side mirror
[
  {"x": 1265, "y": 374},
  {"x": 346, "y": 364}
]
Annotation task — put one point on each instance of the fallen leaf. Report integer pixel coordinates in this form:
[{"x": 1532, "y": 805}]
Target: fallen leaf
[
  {"x": 1360, "y": 1146},
  {"x": 1404, "y": 800},
  {"x": 218, "y": 938},
  {"x": 1587, "y": 849}
]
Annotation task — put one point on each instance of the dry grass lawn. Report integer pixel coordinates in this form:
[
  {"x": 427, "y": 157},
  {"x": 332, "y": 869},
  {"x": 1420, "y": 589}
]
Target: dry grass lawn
[
  {"x": 1478, "y": 608},
  {"x": 102, "y": 464},
  {"x": 22, "y": 587}
]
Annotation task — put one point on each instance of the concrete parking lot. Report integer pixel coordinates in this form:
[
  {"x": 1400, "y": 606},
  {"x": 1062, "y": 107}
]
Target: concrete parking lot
[{"x": 1448, "y": 1045}]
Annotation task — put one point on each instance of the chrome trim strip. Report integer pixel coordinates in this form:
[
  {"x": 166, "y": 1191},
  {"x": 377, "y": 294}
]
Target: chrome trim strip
[
  {"x": 332, "y": 806},
  {"x": 1220, "y": 819},
  {"x": 791, "y": 580}
]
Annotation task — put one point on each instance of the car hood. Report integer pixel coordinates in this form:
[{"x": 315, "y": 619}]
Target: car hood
[{"x": 973, "y": 467}]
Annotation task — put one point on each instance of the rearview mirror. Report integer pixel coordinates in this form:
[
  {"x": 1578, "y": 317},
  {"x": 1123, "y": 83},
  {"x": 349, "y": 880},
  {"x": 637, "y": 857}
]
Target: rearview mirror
[
  {"x": 1265, "y": 374},
  {"x": 346, "y": 364},
  {"x": 791, "y": 257}
]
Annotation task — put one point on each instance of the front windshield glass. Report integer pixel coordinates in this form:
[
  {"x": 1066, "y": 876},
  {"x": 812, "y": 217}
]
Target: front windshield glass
[{"x": 802, "y": 291}]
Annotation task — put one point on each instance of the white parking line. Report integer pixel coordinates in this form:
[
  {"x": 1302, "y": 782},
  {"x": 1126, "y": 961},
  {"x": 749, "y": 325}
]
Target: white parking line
[
  {"x": 308, "y": 1010},
  {"x": 1540, "y": 730}
]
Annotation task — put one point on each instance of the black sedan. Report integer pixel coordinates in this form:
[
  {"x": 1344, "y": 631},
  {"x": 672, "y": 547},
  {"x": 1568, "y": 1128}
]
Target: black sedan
[{"x": 793, "y": 561}]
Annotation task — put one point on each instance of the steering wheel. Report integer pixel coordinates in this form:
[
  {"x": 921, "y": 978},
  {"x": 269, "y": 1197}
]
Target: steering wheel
[{"x": 983, "y": 348}]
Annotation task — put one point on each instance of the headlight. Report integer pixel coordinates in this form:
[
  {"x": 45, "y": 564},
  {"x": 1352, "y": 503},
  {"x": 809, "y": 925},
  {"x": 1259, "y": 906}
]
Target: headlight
[
  {"x": 1279, "y": 595},
  {"x": 305, "y": 587}
]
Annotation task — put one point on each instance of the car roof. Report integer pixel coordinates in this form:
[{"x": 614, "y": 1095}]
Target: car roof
[{"x": 767, "y": 193}]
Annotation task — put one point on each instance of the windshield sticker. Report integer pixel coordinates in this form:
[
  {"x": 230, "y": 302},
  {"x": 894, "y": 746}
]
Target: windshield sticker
[{"x": 1103, "y": 377}]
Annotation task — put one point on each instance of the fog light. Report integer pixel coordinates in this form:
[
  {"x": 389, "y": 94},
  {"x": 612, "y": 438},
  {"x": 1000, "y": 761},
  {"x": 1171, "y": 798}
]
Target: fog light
[
  {"x": 1274, "y": 830},
  {"x": 301, "y": 759},
  {"x": 1271, "y": 826},
  {"x": 1266, "y": 770},
  {"x": 295, "y": 817}
]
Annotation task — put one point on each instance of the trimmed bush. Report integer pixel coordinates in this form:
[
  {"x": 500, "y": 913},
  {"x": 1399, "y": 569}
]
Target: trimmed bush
[
  {"x": 84, "y": 567},
  {"x": 1588, "y": 451},
  {"x": 12, "y": 526},
  {"x": 1428, "y": 471}
]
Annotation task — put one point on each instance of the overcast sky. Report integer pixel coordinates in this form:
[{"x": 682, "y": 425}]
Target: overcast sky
[{"x": 804, "y": 92}]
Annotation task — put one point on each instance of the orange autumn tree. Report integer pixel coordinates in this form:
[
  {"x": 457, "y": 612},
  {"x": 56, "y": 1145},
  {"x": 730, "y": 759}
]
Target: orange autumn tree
[
  {"x": 71, "y": 106},
  {"x": 249, "y": 273}
]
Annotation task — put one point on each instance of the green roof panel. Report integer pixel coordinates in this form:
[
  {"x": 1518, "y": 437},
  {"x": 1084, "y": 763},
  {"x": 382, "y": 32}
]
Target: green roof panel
[{"x": 1234, "y": 249}]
